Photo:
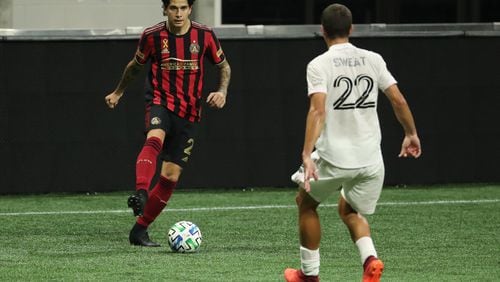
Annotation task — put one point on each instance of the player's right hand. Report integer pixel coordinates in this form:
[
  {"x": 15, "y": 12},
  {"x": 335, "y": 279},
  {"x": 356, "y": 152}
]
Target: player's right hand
[
  {"x": 310, "y": 172},
  {"x": 112, "y": 100}
]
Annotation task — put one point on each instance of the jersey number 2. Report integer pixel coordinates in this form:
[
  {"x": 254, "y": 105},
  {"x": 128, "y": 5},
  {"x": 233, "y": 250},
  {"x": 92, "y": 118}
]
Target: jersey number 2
[{"x": 361, "y": 102}]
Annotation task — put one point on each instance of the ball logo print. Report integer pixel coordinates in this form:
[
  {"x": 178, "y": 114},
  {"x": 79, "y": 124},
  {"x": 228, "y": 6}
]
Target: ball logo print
[{"x": 184, "y": 237}]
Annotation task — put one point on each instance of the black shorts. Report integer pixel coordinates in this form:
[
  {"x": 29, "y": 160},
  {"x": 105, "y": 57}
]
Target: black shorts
[{"x": 180, "y": 134}]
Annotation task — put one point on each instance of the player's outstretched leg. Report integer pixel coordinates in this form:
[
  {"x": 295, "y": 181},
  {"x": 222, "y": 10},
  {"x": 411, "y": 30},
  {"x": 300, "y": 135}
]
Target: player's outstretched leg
[
  {"x": 139, "y": 236},
  {"x": 145, "y": 169},
  {"x": 296, "y": 275},
  {"x": 137, "y": 201}
]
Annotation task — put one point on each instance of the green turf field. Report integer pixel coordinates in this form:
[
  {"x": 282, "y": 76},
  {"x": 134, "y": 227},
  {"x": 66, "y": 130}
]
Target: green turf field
[{"x": 447, "y": 233}]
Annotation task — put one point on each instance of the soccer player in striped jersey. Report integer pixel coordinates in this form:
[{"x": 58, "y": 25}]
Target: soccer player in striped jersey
[
  {"x": 175, "y": 49},
  {"x": 343, "y": 126}
]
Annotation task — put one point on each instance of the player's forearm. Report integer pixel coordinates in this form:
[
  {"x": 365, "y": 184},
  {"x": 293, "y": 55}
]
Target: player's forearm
[
  {"x": 129, "y": 74},
  {"x": 314, "y": 124},
  {"x": 225, "y": 76},
  {"x": 404, "y": 116}
]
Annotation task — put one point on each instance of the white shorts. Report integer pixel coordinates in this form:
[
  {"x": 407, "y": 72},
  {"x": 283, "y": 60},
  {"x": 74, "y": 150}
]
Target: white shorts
[{"x": 360, "y": 187}]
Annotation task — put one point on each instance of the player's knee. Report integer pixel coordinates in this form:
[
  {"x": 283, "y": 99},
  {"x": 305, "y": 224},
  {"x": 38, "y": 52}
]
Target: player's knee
[
  {"x": 171, "y": 171},
  {"x": 350, "y": 216},
  {"x": 298, "y": 199},
  {"x": 158, "y": 133},
  {"x": 343, "y": 215},
  {"x": 345, "y": 211},
  {"x": 305, "y": 201},
  {"x": 172, "y": 175}
]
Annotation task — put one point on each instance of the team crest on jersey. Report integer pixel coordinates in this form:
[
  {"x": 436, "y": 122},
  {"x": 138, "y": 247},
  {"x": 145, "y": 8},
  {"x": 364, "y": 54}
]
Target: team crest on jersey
[
  {"x": 164, "y": 46},
  {"x": 194, "y": 48},
  {"x": 155, "y": 121}
]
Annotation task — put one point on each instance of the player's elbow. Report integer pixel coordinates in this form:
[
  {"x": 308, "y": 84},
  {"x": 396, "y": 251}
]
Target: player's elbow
[
  {"x": 318, "y": 113},
  {"x": 134, "y": 66},
  {"x": 224, "y": 65}
]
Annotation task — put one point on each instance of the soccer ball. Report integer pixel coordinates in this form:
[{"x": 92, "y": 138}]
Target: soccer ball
[{"x": 184, "y": 237}]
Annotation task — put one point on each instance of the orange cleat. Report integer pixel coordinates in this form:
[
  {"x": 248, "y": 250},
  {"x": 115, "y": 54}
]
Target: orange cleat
[
  {"x": 373, "y": 270},
  {"x": 296, "y": 275}
]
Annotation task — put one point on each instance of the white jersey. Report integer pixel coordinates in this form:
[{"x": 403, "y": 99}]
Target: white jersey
[{"x": 351, "y": 78}]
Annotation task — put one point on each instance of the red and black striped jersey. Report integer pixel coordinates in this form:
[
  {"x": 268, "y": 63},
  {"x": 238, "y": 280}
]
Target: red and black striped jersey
[{"x": 176, "y": 75}]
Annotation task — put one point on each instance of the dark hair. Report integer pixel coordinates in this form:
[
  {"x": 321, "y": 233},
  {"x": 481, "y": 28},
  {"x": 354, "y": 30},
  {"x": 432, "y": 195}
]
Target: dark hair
[
  {"x": 167, "y": 2},
  {"x": 336, "y": 20}
]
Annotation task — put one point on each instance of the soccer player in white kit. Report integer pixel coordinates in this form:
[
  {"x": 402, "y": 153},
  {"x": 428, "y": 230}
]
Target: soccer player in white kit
[{"x": 342, "y": 143}]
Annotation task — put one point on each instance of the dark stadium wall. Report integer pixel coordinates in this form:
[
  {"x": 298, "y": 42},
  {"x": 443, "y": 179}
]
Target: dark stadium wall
[
  {"x": 4, "y": 121},
  {"x": 57, "y": 135}
]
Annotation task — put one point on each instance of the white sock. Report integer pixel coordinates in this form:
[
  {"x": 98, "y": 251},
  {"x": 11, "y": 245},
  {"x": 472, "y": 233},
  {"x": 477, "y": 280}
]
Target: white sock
[
  {"x": 309, "y": 261},
  {"x": 366, "y": 248}
]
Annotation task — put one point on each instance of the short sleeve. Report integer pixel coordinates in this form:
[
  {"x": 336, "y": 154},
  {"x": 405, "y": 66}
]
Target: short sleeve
[
  {"x": 316, "y": 78},
  {"x": 385, "y": 78},
  {"x": 144, "y": 49},
  {"x": 216, "y": 55}
]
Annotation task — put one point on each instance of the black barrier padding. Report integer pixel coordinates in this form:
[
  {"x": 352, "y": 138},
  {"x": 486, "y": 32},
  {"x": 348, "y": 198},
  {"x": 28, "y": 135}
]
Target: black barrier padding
[
  {"x": 452, "y": 87},
  {"x": 56, "y": 134},
  {"x": 256, "y": 139},
  {"x": 61, "y": 135},
  {"x": 4, "y": 121}
]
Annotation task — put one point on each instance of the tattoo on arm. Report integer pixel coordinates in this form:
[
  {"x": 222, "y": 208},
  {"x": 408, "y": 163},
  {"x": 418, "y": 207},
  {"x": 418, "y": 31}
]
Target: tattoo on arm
[
  {"x": 129, "y": 74},
  {"x": 225, "y": 76}
]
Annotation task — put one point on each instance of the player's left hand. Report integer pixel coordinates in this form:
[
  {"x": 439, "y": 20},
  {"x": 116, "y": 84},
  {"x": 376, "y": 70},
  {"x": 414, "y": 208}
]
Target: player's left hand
[
  {"x": 410, "y": 147},
  {"x": 216, "y": 99}
]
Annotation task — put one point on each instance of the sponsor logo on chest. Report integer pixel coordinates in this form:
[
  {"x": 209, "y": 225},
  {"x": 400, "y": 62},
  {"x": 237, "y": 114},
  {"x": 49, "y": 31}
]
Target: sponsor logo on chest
[{"x": 174, "y": 64}]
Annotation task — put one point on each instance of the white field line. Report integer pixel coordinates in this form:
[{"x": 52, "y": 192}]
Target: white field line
[{"x": 422, "y": 203}]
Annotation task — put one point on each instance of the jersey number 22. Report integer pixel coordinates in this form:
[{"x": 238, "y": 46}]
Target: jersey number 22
[{"x": 360, "y": 103}]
